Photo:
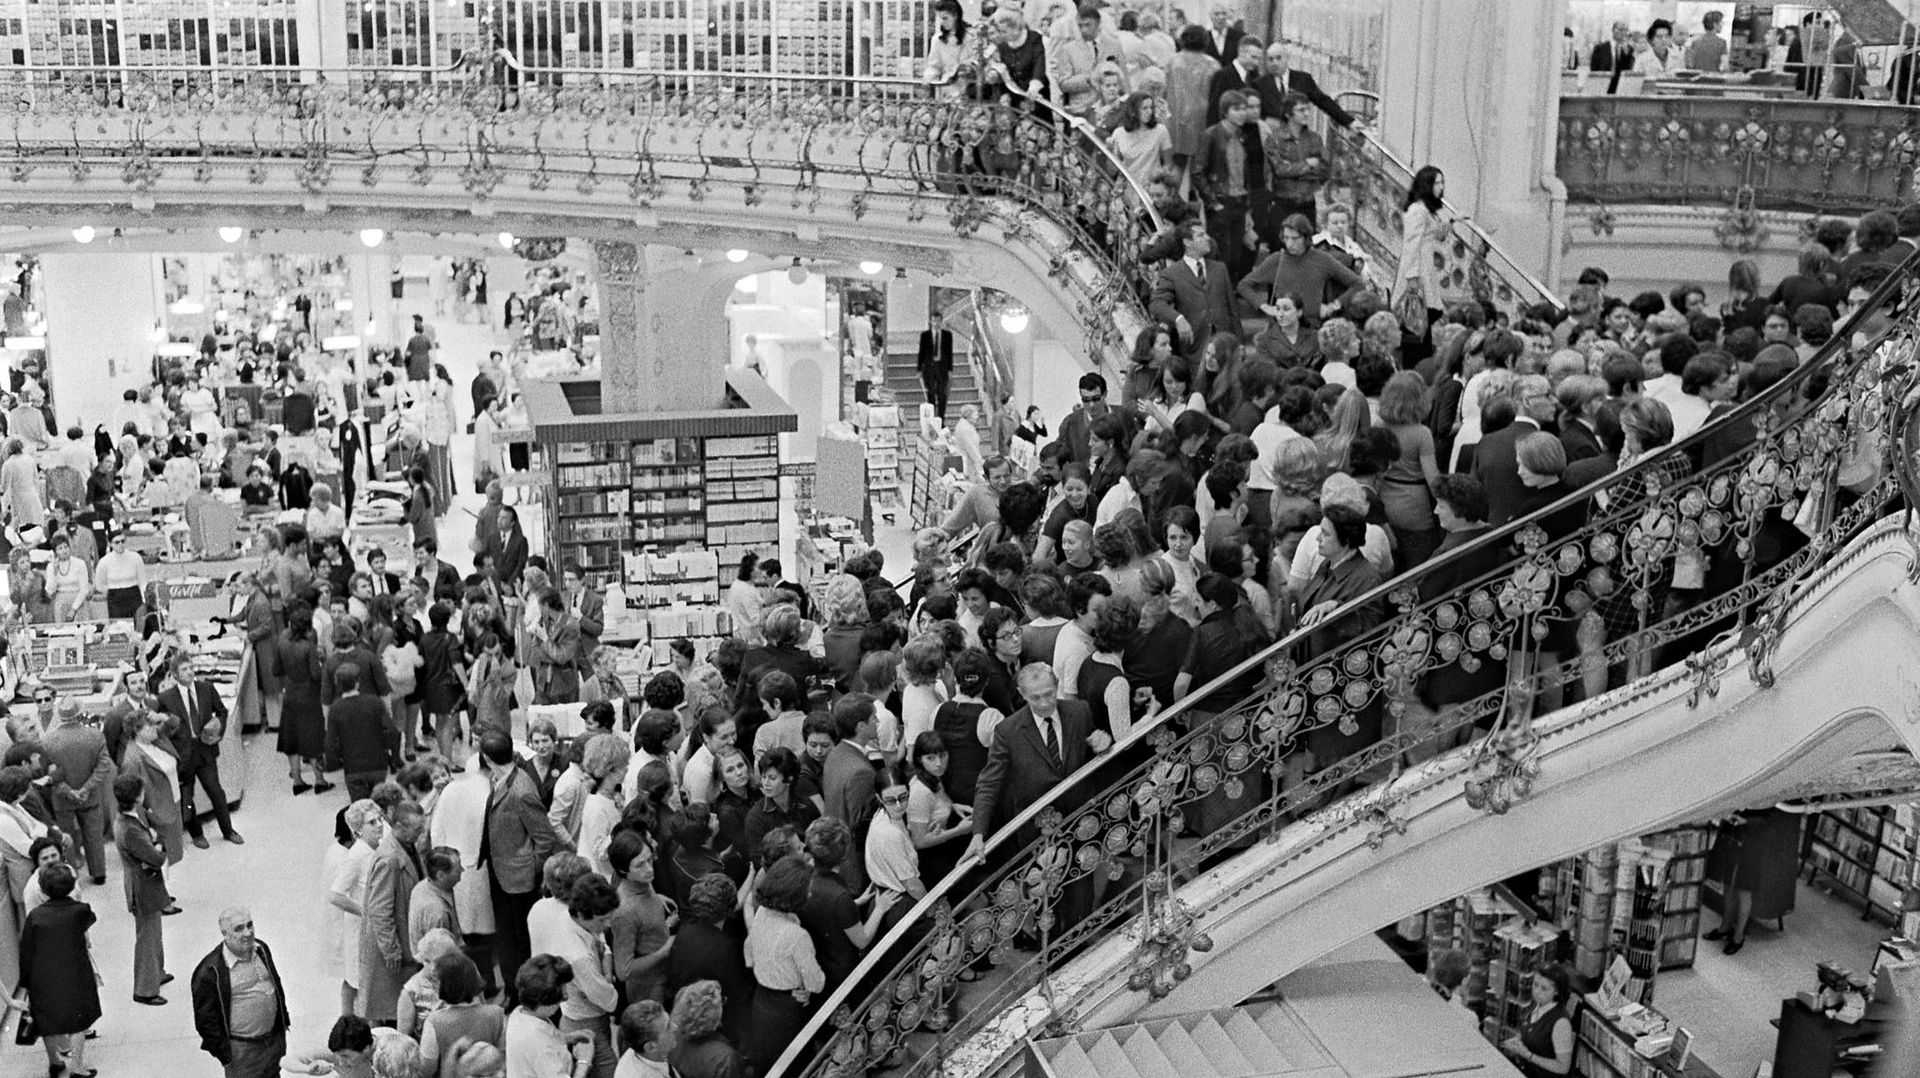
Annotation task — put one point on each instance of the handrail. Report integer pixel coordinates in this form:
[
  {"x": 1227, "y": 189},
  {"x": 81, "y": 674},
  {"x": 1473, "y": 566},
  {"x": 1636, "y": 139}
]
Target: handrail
[
  {"x": 1091, "y": 825},
  {"x": 1397, "y": 176}
]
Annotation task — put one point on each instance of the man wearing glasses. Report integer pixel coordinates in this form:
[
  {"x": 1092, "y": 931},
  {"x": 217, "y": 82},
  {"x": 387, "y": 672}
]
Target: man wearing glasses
[{"x": 1496, "y": 463}]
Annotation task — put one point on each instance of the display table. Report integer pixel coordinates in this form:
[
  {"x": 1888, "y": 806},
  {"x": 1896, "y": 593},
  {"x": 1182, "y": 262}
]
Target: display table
[{"x": 1811, "y": 1045}]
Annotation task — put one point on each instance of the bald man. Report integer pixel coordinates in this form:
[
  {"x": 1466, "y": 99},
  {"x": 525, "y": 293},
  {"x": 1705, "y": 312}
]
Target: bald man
[{"x": 239, "y": 1004}]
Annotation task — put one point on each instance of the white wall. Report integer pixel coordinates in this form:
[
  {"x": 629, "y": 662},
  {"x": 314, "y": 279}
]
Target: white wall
[{"x": 101, "y": 310}]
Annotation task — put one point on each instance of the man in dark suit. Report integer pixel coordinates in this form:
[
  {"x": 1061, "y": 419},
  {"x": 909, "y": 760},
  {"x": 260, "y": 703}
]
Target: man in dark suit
[
  {"x": 1223, "y": 39},
  {"x": 1194, "y": 294},
  {"x": 1281, "y": 79},
  {"x": 1033, "y": 752},
  {"x": 935, "y": 362},
  {"x": 1579, "y": 396},
  {"x": 514, "y": 843},
  {"x": 1237, "y": 75},
  {"x": 141, "y": 862},
  {"x": 1230, "y": 179},
  {"x": 847, "y": 779},
  {"x": 197, "y": 719},
  {"x": 588, "y": 607},
  {"x": 1613, "y": 57},
  {"x": 1496, "y": 463}
]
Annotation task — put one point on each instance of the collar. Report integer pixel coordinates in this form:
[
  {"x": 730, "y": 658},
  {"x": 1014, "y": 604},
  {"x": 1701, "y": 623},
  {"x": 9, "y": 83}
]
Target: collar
[{"x": 233, "y": 960}]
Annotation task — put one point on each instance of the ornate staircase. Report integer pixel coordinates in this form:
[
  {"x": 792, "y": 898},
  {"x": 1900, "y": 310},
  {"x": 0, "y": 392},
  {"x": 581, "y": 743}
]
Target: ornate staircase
[{"x": 1756, "y": 691}]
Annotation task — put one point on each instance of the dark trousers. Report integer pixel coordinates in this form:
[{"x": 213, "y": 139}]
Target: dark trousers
[
  {"x": 935, "y": 383},
  {"x": 255, "y": 1059},
  {"x": 511, "y": 944},
  {"x": 360, "y": 784},
  {"x": 1228, "y": 227},
  {"x": 1282, "y": 207},
  {"x": 479, "y": 947},
  {"x": 207, "y": 770},
  {"x": 86, "y": 829}
]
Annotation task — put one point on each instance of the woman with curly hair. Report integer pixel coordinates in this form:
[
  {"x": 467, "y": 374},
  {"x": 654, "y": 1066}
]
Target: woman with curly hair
[
  {"x": 786, "y": 971},
  {"x": 700, "y": 1050},
  {"x": 846, "y": 609}
]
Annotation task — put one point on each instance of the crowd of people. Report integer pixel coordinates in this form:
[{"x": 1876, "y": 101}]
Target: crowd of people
[{"x": 1820, "y": 52}]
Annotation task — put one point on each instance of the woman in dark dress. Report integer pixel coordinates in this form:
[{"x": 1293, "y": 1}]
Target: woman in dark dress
[
  {"x": 296, "y": 663},
  {"x": 780, "y": 805},
  {"x": 1544, "y": 1048},
  {"x": 1344, "y": 575},
  {"x": 1152, "y": 659},
  {"x": 56, "y": 971},
  {"x": 441, "y": 676},
  {"x": 1543, "y": 462}
]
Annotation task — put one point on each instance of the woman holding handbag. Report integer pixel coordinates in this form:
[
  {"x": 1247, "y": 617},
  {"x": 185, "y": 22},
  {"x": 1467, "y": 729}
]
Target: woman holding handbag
[
  {"x": 1425, "y": 221},
  {"x": 59, "y": 990}
]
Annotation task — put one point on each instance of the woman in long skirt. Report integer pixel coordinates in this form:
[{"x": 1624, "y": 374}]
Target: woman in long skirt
[{"x": 302, "y": 726}]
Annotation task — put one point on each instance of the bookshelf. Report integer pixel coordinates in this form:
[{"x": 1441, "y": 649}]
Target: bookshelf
[
  {"x": 1470, "y": 923},
  {"x": 1680, "y": 910},
  {"x": 1863, "y": 854},
  {"x": 1612, "y": 1047},
  {"x": 1519, "y": 950}
]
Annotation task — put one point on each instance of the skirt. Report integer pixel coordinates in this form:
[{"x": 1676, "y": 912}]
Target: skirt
[
  {"x": 302, "y": 725},
  {"x": 777, "y": 1019}
]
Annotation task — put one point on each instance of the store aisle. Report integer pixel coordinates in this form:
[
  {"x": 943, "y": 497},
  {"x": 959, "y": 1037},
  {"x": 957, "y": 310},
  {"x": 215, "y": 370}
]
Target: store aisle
[
  {"x": 277, "y": 875},
  {"x": 1728, "y": 1002}
]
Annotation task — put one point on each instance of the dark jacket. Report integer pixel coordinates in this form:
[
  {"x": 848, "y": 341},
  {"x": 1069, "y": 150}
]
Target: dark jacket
[
  {"x": 519, "y": 838},
  {"x": 186, "y": 737},
  {"x": 361, "y": 737},
  {"x": 936, "y": 353},
  {"x": 1019, "y": 772},
  {"x": 212, "y": 988},
  {"x": 1298, "y": 82},
  {"x": 1208, "y": 308},
  {"x": 1496, "y": 465}
]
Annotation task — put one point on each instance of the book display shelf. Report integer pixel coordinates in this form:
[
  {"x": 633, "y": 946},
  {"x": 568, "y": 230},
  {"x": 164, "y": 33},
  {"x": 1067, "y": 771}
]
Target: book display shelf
[
  {"x": 1864, "y": 855},
  {"x": 662, "y": 504}
]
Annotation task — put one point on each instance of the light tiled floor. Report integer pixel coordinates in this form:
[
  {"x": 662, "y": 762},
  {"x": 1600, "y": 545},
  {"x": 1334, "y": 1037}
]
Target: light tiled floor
[
  {"x": 277, "y": 874},
  {"x": 1728, "y": 1002}
]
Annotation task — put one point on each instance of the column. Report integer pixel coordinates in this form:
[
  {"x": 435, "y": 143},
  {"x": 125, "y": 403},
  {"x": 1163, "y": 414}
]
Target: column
[
  {"x": 646, "y": 363},
  {"x": 96, "y": 350}
]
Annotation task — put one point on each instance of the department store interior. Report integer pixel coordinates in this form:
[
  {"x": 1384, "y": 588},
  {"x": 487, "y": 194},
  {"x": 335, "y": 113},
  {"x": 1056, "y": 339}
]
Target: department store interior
[{"x": 1335, "y": 538}]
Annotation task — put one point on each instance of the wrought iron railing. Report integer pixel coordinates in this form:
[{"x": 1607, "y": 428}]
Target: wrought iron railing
[
  {"x": 1472, "y": 264},
  {"x": 537, "y": 127},
  {"x": 1457, "y": 648},
  {"x": 1817, "y": 156}
]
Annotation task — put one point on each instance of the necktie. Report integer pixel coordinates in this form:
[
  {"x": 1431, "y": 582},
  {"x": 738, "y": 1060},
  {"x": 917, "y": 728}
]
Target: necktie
[
  {"x": 1200, "y": 272},
  {"x": 186, "y": 698},
  {"x": 1046, "y": 738}
]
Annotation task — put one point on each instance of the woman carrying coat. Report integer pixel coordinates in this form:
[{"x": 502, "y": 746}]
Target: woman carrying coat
[
  {"x": 143, "y": 872},
  {"x": 157, "y": 762},
  {"x": 1189, "y": 77},
  {"x": 57, "y": 982}
]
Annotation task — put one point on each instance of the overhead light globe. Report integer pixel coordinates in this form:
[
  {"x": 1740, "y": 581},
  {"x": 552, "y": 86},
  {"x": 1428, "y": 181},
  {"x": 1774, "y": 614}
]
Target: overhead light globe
[
  {"x": 1014, "y": 319},
  {"x": 83, "y": 234},
  {"x": 748, "y": 285},
  {"x": 506, "y": 240},
  {"x": 797, "y": 273},
  {"x": 232, "y": 234},
  {"x": 738, "y": 254},
  {"x": 872, "y": 269},
  {"x": 373, "y": 237}
]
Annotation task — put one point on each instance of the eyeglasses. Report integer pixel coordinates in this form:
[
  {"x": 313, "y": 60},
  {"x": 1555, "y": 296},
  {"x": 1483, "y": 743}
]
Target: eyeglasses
[{"x": 893, "y": 799}]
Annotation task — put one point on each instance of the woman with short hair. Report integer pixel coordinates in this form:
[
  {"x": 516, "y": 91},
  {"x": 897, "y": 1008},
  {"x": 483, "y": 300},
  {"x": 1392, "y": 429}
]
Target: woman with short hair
[{"x": 786, "y": 971}]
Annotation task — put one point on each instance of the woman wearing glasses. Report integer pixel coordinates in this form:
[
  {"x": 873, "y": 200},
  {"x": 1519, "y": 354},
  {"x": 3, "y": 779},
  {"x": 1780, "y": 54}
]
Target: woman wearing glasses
[{"x": 892, "y": 862}]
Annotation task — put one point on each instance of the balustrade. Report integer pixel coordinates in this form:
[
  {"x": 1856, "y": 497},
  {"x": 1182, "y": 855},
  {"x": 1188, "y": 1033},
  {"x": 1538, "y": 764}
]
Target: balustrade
[
  {"x": 1107, "y": 851},
  {"x": 1816, "y": 156}
]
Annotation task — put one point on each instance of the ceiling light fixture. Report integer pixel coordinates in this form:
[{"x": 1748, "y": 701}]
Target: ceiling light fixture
[
  {"x": 738, "y": 254},
  {"x": 872, "y": 269},
  {"x": 372, "y": 237},
  {"x": 797, "y": 273},
  {"x": 506, "y": 240},
  {"x": 232, "y": 234},
  {"x": 1014, "y": 319},
  {"x": 83, "y": 234}
]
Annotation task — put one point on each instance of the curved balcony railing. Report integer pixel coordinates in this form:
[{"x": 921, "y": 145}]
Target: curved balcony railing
[
  {"x": 1472, "y": 265},
  {"x": 539, "y": 127},
  {"x": 1818, "y": 156},
  {"x": 1456, "y": 648}
]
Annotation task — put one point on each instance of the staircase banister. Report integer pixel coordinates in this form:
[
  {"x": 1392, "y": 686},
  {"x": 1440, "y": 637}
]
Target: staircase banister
[{"x": 944, "y": 893}]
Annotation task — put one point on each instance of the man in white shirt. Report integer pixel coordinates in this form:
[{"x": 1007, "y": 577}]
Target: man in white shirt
[
  {"x": 581, "y": 943},
  {"x": 76, "y": 452}
]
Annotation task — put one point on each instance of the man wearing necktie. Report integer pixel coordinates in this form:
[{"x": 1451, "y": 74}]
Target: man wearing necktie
[
  {"x": 1614, "y": 56},
  {"x": 1034, "y": 751},
  {"x": 197, "y": 720},
  {"x": 1194, "y": 293}
]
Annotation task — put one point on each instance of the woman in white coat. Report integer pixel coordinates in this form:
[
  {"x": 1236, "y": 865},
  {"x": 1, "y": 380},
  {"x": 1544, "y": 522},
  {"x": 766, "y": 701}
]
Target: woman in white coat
[{"x": 1425, "y": 222}]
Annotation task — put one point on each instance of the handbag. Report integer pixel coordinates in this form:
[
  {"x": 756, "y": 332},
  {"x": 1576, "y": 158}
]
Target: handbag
[
  {"x": 1411, "y": 308},
  {"x": 26, "y": 1032}
]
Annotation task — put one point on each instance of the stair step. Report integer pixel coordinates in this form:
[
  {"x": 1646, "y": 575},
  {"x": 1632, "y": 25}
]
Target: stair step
[
  {"x": 1069, "y": 1060},
  {"x": 1144, "y": 1051},
  {"x": 1254, "y": 1043},
  {"x": 1223, "y": 1056},
  {"x": 1282, "y": 1029},
  {"x": 1185, "y": 1056},
  {"x": 1111, "y": 1061}
]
